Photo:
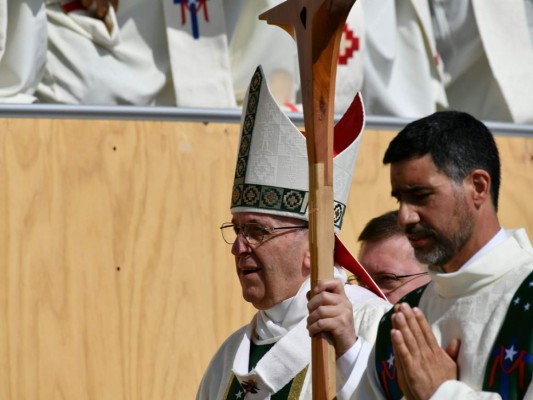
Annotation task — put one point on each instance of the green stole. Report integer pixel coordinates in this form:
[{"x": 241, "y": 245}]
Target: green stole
[
  {"x": 291, "y": 391},
  {"x": 509, "y": 369}
]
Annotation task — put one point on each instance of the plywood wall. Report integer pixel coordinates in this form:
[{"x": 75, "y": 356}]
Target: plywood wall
[{"x": 114, "y": 280}]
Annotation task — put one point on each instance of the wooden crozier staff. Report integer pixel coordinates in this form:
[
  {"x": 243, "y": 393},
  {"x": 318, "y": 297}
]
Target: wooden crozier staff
[{"x": 317, "y": 27}]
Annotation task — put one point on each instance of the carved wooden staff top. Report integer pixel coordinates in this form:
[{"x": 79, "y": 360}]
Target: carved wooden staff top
[{"x": 317, "y": 27}]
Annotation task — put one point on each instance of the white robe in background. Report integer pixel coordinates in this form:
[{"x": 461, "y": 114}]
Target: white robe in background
[
  {"x": 469, "y": 305},
  {"x": 488, "y": 57},
  {"x": 529, "y": 15},
  {"x": 387, "y": 52},
  {"x": 254, "y": 43},
  {"x": 148, "y": 53},
  {"x": 402, "y": 69},
  {"x": 22, "y": 49},
  {"x": 292, "y": 351}
]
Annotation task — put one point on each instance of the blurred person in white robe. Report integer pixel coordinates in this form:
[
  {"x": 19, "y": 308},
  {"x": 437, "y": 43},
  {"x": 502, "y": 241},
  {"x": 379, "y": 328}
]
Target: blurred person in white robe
[
  {"x": 22, "y": 54},
  {"x": 387, "y": 52},
  {"x": 148, "y": 52},
  {"x": 487, "y": 53}
]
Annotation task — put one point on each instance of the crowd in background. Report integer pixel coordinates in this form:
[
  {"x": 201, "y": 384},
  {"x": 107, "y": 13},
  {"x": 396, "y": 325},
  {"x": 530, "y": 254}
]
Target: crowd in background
[{"x": 408, "y": 58}]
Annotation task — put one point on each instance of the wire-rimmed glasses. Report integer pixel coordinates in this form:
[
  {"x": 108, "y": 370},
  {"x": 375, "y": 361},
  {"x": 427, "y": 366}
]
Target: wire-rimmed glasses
[
  {"x": 388, "y": 281},
  {"x": 252, "y": 232}
]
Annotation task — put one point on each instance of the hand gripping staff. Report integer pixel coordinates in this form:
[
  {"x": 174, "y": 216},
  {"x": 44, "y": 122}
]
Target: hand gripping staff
[{"x": 317, "y": 27}]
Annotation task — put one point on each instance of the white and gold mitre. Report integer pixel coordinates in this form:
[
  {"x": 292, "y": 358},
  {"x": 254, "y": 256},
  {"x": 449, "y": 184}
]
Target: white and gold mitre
[{"x": 272, "y": 173}]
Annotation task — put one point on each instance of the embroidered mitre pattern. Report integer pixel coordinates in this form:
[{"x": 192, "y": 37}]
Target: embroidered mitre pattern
[{"x": 272, "y": 172}]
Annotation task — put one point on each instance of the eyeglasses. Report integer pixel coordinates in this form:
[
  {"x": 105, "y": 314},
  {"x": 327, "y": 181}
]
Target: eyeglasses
[
  {"x": 387, "y": 281},
  {"x": 254, "y": 233}
]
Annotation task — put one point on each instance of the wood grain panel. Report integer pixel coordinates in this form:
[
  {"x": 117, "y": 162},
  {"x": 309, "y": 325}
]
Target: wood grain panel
[{"x": 114, "y": 280}]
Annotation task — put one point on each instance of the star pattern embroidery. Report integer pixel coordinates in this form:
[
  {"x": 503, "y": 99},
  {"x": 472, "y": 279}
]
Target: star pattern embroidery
[
  {"x": 239, "y": 394},
  {"x": 527, "y": 306},
  {"x": 390, "y": 360},
  {"x": 510, "y": 353}
]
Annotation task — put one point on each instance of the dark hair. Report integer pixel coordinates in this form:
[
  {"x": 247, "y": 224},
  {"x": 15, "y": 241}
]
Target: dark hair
[
  {"x": 380, "y": 228},
  {"x": 457, "y": 143}
]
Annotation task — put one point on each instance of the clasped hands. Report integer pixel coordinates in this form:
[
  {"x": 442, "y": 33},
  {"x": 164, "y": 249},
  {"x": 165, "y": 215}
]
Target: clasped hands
[{"x": 421, "y": 364}]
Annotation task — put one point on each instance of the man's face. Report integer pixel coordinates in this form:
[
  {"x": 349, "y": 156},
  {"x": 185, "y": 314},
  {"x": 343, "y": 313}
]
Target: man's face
[
  {"x": 275, "y": 269},
  {"x": 392, "y": 257},
  {"x": 434, "y": 211}
]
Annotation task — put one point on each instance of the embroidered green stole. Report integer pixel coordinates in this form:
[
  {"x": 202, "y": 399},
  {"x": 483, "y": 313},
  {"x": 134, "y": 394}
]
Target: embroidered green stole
[
  {"x": 385, "y": 365},
  {"x": 291, "y": 391},
  {"x": 509, "y": 369},
  {"x": 510, "y": 365}
]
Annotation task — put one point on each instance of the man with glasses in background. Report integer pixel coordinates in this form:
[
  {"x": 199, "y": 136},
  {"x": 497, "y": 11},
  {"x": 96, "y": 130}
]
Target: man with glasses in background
[
  {"x": 270, "y": 357},
  {"x": 389, "y": 258}
]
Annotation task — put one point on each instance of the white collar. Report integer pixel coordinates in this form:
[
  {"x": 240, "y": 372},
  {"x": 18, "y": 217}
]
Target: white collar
[
  {"x": 275, "y": 322},
  {"x": 480, "y": 272},
  {"x": 496, "y": 240}
]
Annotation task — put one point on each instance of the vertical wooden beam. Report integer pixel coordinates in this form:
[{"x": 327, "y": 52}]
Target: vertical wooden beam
[{"x": 317, "y": 27}]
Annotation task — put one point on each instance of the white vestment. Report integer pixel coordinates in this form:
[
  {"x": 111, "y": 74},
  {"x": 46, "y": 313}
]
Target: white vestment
[
  {"x": 292, "y": 351},
  {"x": 402, "y": 70},
  {"x": 469, "y": 305},
  {"x": 151, "y": 52},
  {"x": 387, "y": 52},
  {"x": 22, "y": 49},
  {"x": 487, "y": 54},
  {"x": 254, "y": 43}
]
